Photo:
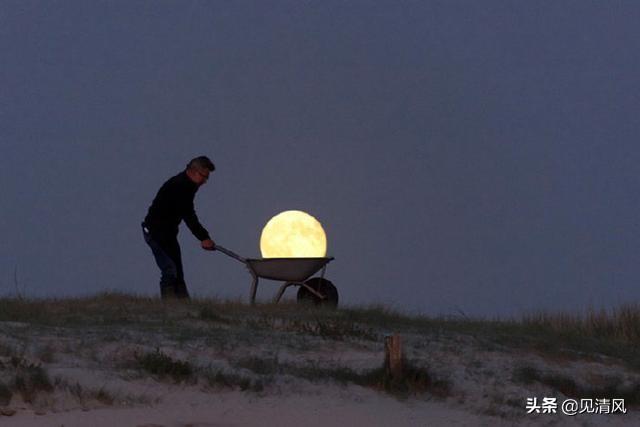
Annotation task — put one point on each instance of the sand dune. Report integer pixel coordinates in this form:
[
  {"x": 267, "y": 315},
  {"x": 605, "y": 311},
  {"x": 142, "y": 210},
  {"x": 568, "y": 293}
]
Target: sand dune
[{"x": 125, "y": 361}]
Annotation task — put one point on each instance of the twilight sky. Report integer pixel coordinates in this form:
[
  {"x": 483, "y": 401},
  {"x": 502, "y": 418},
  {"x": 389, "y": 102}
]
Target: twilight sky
[{"x": 461, "y": 155}]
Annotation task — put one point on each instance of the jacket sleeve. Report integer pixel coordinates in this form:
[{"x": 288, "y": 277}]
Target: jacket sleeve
[{"x": 191, "y": 219}]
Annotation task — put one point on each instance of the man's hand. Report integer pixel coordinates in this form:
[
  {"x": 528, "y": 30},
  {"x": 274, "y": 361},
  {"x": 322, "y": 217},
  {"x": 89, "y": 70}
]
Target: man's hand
[{"x": 208, "y": 245}]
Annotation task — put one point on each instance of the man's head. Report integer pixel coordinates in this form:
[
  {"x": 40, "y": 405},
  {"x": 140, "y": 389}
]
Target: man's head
[{"x": 198, "y": 169}]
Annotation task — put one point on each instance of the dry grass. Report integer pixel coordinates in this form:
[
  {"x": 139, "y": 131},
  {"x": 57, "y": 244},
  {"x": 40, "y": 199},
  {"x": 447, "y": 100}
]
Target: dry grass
[{"x": 621, "y": 324}]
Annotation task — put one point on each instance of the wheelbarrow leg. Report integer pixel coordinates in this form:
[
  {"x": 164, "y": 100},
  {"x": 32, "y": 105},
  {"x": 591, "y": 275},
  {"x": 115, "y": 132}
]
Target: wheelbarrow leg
[
  {"x": 281, "y": 291},
  {"x": 254, "y": 287},
  {"x": 313, "y": 291}
]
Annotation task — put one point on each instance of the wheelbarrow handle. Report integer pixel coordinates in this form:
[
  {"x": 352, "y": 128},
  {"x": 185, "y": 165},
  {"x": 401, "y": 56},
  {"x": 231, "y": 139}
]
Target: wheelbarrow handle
[{"x": 230, "y": 253}]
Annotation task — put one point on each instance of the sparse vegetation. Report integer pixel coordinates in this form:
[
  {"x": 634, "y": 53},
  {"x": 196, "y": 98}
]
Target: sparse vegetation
[
  {"x": 161, "y": 365},
  {"x": 612, "y": 387},
  {"x": 526, "y": 375},
  {"x": 89, "y": 396},
  {"x": 262, "y": 366},
  {"x": 208, "y": 313},
  {"x": 83, "y": 394},
  {"x": 29, "y": 379},
  {"x": 104, "y": 396},
  {"x": 416, "y": 380},
  {"x": 219, "y": 378},
  {"x": 621, "y": 324},
  {"x": 5, "y": 394},
  {"x": 228, "y": 333},
  {"x": 46, "y": 353}
]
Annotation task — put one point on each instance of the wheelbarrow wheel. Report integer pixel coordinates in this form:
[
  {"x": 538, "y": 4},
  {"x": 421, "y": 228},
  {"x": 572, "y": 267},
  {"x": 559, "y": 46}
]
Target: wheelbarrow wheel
[{"x": 321, "y": 286}]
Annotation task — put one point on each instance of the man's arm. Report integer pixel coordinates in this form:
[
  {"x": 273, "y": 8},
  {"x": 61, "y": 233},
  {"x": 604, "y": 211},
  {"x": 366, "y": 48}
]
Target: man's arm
[{"x": 191, "y": 219}]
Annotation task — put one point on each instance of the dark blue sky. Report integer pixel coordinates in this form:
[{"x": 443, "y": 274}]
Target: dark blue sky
[{"x": 461, "y": 155}]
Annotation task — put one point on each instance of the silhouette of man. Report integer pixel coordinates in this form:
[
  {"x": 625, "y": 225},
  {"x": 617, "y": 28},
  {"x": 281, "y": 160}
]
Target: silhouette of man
[{"x": 172, "y": 204}]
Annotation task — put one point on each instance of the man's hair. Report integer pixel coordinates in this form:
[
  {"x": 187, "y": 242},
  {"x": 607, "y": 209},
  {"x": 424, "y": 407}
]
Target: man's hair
[{"x": 201, "y": 162}]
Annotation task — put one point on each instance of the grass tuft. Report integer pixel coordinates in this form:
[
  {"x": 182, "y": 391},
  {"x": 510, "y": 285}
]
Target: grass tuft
[
  {"x": 260, "y": 366},
  {"x": 162, "y": 365},
  {"x": 30, "y": 379},
  {"x": 5, "y": 394},
  {"x": 221, "y": 378}
]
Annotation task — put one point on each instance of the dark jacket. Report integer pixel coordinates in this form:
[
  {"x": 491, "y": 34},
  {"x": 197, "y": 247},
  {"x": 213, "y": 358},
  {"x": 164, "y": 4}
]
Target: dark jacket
[{"x": 172, "y": 204}]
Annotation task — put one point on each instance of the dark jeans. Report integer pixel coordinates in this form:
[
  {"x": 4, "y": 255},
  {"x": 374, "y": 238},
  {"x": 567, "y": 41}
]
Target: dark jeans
[{"x": 166, "y": 251}]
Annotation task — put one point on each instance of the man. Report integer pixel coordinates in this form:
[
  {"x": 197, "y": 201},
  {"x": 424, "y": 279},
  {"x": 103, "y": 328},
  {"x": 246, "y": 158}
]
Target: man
[{"x": 172, "y": 204}]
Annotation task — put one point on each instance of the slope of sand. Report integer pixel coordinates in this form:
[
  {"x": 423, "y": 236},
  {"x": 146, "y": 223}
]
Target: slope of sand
[
  {"x": 282, "y": 365},
  {"x": 330, "y": 406}
]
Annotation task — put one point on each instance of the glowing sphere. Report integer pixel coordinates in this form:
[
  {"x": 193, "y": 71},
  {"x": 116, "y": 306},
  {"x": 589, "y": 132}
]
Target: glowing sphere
[{"x": 293, "y": 234}]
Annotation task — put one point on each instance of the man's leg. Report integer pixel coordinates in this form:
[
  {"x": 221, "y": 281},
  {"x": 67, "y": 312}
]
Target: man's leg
[
  {"x": 169, "y": 271},
  {"x": 173, "y": 250}
]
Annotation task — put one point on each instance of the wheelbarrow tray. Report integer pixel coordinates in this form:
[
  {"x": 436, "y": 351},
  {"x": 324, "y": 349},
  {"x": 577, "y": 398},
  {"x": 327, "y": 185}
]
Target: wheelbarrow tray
[
  {"x": 287, "y": 269},
  {"x": 292, "y": 271}
]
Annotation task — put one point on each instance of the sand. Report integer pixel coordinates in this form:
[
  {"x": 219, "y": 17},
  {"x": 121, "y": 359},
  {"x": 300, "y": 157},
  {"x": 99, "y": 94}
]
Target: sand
[{"x": 87, "y": 361}]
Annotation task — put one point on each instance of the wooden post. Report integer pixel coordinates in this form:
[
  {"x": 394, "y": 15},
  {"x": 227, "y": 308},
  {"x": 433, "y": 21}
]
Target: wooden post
[{"x": 393, "y": 356}]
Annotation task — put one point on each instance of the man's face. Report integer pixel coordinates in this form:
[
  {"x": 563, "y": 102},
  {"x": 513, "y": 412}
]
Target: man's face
[{"x": 200, "y": 176}]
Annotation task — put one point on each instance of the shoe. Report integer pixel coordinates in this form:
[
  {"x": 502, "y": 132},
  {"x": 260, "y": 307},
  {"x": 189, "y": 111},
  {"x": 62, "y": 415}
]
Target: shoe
[{"x": 181, "y": 291}]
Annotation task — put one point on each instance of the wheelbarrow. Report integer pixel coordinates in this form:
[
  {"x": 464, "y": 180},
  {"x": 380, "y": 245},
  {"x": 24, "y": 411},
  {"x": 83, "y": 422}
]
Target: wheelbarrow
[{"x": 293, "y": 272}]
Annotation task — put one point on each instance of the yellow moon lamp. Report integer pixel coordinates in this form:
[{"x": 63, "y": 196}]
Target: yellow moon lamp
[{"x": 293, "y": 234}]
